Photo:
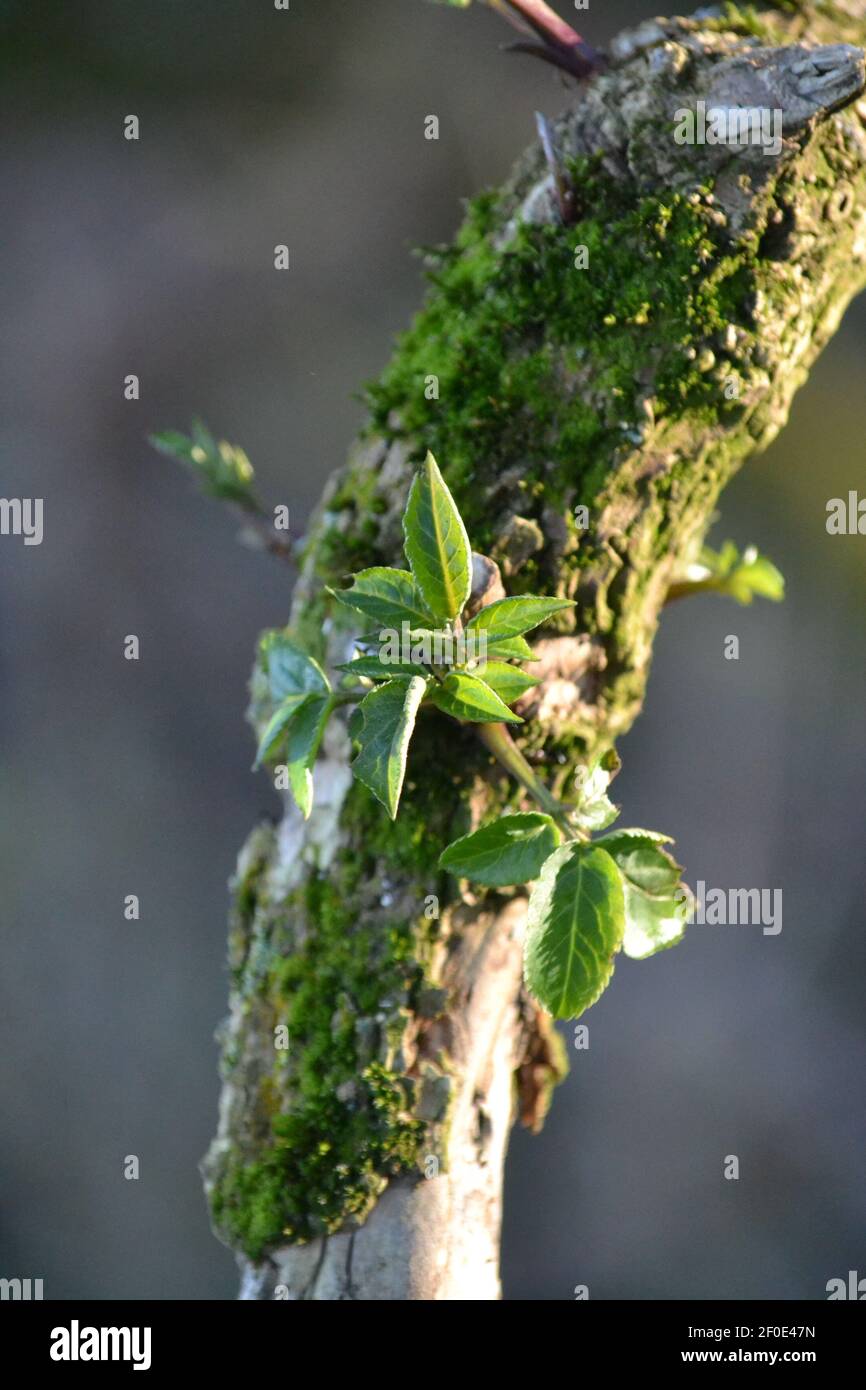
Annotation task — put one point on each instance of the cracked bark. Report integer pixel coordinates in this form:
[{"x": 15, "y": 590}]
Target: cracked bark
[{"x": 482, "y": 1051}]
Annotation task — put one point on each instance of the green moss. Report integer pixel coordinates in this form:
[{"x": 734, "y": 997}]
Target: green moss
[
  {"x": 246, "y": 887},
  {"x": 744, "y": 19},
  {"x": 342, "y": 981},
  {"x": 540, "y": 363}
]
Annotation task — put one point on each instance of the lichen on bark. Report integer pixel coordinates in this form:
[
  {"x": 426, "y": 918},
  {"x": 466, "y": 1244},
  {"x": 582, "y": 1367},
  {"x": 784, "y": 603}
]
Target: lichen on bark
[{"x": 633, "y": 385}]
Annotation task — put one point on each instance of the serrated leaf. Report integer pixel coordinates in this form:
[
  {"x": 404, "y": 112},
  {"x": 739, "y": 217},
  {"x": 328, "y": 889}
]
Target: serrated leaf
[
  {"x": 511, "y": 850},
  {"x": 390, "y": 597},
  {"x": 575, "y": 925},
  {"x": 655, "y": 836},
  {"x": 383, "y": 724},
  {"x": 277, "y": 725},
  {"x": 467, "y": 697},
  {"x": 509, "y": 617},
  {"x": 509, "y": 649},
  {"x": 374, "y": 669},
  {"x": 656, "y": 903},
  {"x": 436, "y": 544},
  {"x": 305, "y": 735},
  {"x": 291, "y": 670},
  {"x": 508, "y": 682}
]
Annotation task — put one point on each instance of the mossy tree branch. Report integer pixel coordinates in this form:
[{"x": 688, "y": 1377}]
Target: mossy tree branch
[{"x": 632, "y": 379}]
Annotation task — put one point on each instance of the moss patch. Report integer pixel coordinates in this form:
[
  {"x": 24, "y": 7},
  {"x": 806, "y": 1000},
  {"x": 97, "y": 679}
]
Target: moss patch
[
  {"x": 341, "y": 981},
  {"x": 541, "y": 364}
]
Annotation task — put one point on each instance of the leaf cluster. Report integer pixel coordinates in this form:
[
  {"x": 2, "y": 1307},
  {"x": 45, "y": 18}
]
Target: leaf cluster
[
  {"x": 589, "y": 898},
  {"x": 428, "y": 603}
]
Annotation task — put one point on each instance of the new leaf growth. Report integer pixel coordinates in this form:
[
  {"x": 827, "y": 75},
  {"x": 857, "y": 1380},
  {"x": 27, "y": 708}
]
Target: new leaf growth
[{"x": 589, "y": 899}]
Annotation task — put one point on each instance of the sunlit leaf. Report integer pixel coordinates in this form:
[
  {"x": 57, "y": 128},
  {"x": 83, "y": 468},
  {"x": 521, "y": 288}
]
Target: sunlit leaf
[
  {"x": 467, "y": 697},
  {"x": 509, "y": 649},
  {"x": 508, "y": 682},
  {"x": 305, "y": 735},
  {"x": 656, "y": 902},
  {"x": 383, "y": 724},
  {"x": 593, "y": 809},
  {"x": 509, "y": 617},
  {"x": 291, "y": 670},
  {"x": 575, "y": 925},
  {"x": 436, "y": 544},
  {"x": 277, "y": 725},
  {"x": 510, "y": 850},
  {"x": 390, "y": 597},
  {"x": 373, "y": 668}
]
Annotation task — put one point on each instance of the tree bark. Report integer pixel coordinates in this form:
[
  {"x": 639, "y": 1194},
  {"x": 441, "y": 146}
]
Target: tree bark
[{"x": 365, "y": 1162}]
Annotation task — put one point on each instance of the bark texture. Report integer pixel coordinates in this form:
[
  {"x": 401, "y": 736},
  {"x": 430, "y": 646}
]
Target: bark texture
[{"x": 365, "y": 1162}]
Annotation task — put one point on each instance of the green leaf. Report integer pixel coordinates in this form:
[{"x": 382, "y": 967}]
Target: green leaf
[
  {"x": 511, "y": 850},
  {"x": 509, "y": 617},
  {"x": 383, "y": 724},
  {"x": 756, "y": 575},
  {"x": 467, "y": 697},
  {"x": 739, "y": 577},
  {"x": 305, "y": 735},
  {"x": 390, "y": 597},
  {"x": 374, "y": 669},
  {"x": 594, "y": 810},
  {"x": 575, "y": 925},
  {"x": 641, "y": 858},
  {"x": 509, "y": 682},
  {"x": 277, "y": 726},
  {"x": 656, "y": 903},
  {"x": 509, "y": 649},
  {"x": 436, "y": 544},
  {"x": 222, "y": 468},
  {"x": 291, "y": 670}
]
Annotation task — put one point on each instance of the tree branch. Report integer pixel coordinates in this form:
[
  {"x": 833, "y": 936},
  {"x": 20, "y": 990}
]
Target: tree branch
[{"x": 628, "y": 365}]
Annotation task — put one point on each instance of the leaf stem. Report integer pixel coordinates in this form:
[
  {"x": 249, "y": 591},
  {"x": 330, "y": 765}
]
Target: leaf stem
[
  {"x": 683, "y": 588},
  {"x": 498, "y": 741},
  {"x": 256, "y": 522},
  {"x": 349, "y": 697}
]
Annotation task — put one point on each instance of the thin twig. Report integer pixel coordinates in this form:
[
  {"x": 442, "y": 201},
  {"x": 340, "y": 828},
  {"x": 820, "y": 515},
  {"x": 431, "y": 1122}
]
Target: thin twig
[
  {"x": 560, "y": 44},
  {"x": 498, "y": 741},
  {"x": 262, "y": 527},
  {"x": 546, "y": 22}
]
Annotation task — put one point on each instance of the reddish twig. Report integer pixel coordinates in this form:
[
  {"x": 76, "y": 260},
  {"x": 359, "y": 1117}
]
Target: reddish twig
[{"x": 560, "y": 44}]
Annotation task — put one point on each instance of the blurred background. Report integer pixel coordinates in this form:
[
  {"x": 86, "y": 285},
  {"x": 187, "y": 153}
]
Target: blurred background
[{"x": 306, "y": 127}]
